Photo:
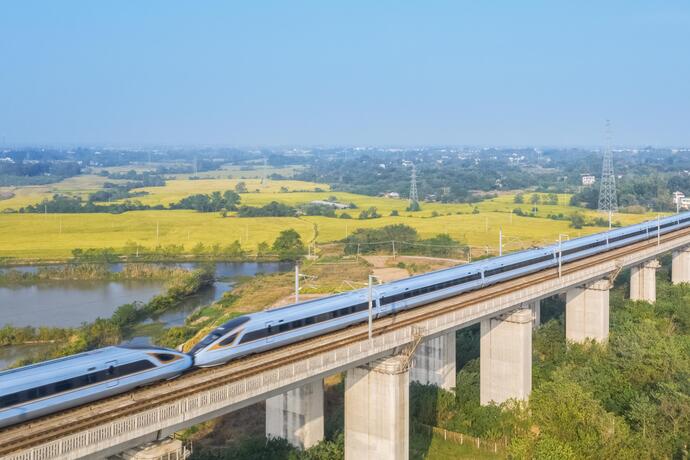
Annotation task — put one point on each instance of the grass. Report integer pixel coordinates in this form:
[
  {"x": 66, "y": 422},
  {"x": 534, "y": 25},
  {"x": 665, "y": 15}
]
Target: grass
[{"x": 423, "y": 447}]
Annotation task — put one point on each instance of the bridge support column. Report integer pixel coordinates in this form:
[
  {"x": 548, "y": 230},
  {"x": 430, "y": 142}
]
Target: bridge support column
[
  {"x": 587, "y": 312},
  {"x": 377, "y": 414},
  {"x": 680, "y": 267},
  {"x": 434, "y": 362},
  {"x": 297, "y": 415},
  {"x": 535, "y": 307},
  {"x": 643, "y": 281},
  {"x": 506, "y": 357}
]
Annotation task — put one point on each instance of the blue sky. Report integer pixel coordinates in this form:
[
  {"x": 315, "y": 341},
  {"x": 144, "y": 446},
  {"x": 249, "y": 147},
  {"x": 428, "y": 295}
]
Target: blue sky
[{"x": 345, "y": 73}]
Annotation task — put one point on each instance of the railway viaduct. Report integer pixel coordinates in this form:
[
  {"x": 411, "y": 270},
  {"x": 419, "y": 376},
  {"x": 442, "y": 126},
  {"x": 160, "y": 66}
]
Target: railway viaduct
[{"x": 414, "y": 345}]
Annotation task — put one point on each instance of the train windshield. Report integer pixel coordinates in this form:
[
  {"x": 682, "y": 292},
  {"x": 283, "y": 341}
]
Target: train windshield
[
  {"x": 233, "y": 323},
  {"x": 218, "y": 333}
]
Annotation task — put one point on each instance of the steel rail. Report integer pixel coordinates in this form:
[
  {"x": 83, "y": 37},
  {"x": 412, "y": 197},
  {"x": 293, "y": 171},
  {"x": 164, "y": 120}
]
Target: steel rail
[{"x": 54, "y": 426}]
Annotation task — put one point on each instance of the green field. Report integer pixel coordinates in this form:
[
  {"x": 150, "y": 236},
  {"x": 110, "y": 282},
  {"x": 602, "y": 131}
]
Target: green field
[{"x": 53, "y": 236}]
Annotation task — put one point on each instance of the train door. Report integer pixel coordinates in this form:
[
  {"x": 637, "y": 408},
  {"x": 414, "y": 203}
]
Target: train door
[
  {"x": 270, "y": 331},
  {"x": 111, "y": 373}
]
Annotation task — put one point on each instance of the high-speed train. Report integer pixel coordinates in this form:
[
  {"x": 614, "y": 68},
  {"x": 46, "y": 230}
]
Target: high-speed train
[
  {"x": 47, "y": 387},
  {"x": 39, "y": 389},
  {"x": 261, "y": 331}
]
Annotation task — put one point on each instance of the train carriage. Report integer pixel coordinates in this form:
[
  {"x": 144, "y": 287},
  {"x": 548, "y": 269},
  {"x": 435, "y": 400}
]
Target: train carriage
[{"x": 31, "y": 391}]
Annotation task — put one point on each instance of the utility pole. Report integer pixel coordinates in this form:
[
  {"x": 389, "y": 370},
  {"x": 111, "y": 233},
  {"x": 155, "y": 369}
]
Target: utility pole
[
  {"x": 157, "y": 233},
  {"x": 500, "y": 241},
  {"x": 393, "y": 248},
  {"x": 371, "y": 303},
  {"x": 560, "y": 256},
  {"x": 296, "y": 283}
]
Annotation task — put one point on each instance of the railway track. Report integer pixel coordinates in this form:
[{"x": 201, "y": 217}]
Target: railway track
[{"x": 49, "y": 428}]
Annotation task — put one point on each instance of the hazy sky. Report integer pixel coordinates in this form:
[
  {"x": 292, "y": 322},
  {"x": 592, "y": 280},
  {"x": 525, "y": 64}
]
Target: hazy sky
[{"x": 355, "y": 72}]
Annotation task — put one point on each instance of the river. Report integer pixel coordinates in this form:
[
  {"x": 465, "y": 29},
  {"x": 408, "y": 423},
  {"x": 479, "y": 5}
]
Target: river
[{"x": 70, "y": 303}]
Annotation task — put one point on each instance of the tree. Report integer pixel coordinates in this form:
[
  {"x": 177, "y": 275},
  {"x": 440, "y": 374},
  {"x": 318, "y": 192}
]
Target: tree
[
  {"x": 552, "y": 199},
  {"x": 241, "y": 187},
  {"x": 535, "y": 198},
  {"x": 233, "y": 250},
  {"x": 232, "y": 199},
  {"x": 577, "y": 220},
  {"x": 414, "y": 206},
  {"x": 519, "y": 198},
  {"x": 262, "y": 249},
  {"x": 288, "y": 245}
]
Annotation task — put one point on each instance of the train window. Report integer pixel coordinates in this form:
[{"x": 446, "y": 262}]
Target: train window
[
  {"x": 9, "y": 400},
  {"x": 111, "y": 371},
  {"x": 309, "y": 320},
  {"x": 228, "y": 340},
  {"x": 165, "y": 357},
  {"x": 63, "y": 386},
  {"x": 284, "y": 327},
  {"x": 134, "y": 367},
  {"x": 254, "y": 335}
]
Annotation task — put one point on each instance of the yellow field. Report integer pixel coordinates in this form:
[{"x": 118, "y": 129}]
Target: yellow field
[
  {"x": 175, "y": 190},
  {"x": 54, "y": 236},
  {"x": 74, "y": 186}
]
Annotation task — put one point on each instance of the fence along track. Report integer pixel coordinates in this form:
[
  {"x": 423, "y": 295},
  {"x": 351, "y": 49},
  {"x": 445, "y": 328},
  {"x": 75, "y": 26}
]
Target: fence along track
[{"x": 49, "y": 428}]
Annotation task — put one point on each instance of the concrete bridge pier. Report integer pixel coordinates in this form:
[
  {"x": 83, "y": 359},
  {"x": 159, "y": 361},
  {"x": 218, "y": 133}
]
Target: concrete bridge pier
[
  {"x": 377, "y": 410},
  {"x": 434, "y": 362},
  {"x": 506, "y": 357},
  {"x": 587, "y": 312},
  {"x": 297, "y": 415},
  {"x": 535, "y": 307},
  {"x": 680, "y": 266},
  {"x": 643, "y": 281}
]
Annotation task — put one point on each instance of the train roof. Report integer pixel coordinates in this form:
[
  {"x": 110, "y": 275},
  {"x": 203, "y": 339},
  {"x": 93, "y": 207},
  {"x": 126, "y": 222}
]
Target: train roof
[{"x": 57, "y": 369}]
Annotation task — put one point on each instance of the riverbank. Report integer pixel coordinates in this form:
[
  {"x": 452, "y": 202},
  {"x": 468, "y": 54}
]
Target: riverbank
[
  {"x": 78, "y": 304},
  {"x": 89, "y": 271},
  {"x": 104, "y": 332}
]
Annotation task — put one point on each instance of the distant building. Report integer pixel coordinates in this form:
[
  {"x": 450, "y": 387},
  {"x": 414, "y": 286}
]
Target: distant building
[
  {"x": 332, "y": 204},
  {"x": 588, "y": 179},
  {"x": 680, "y": 201},
  {"x": 392, "y": 195}
]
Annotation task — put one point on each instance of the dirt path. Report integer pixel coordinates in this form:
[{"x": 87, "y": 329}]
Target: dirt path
[{"x": 383, "y": 272}]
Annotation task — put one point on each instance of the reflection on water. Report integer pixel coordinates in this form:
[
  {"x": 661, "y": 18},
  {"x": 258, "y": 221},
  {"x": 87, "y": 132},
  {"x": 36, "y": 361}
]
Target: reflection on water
[{"x": 70, "y": 303}]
